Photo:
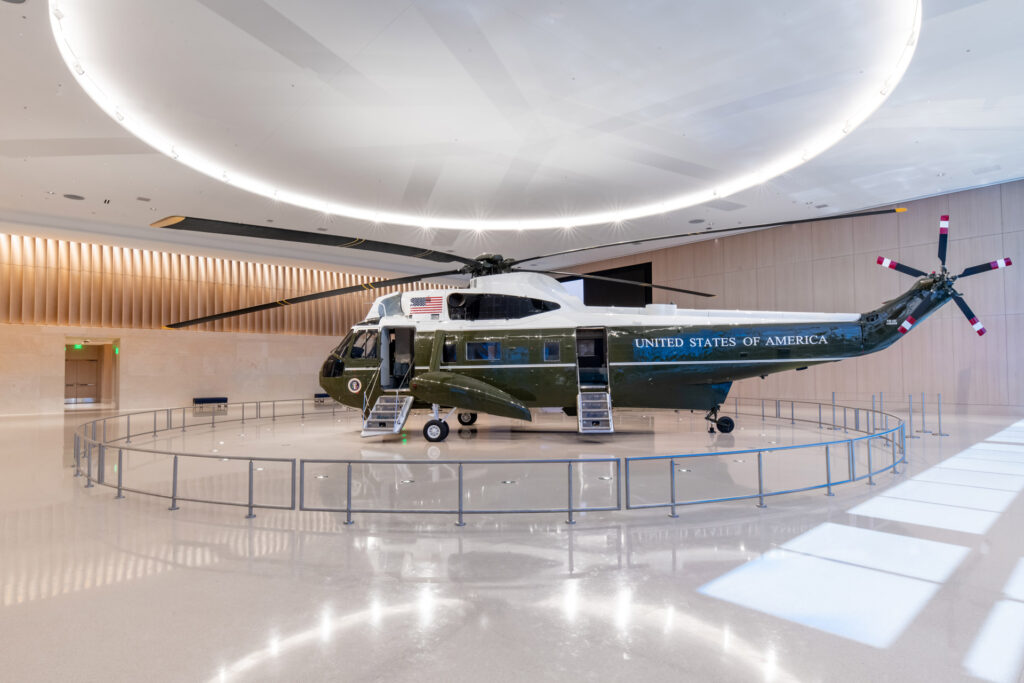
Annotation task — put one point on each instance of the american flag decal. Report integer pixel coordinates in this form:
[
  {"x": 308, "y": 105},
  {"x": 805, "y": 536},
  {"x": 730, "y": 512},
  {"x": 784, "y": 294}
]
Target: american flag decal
[{"x": 419, "y": 305}]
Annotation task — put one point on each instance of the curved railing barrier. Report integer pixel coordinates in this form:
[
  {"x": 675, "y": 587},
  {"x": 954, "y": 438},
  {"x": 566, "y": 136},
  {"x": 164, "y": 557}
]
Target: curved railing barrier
[{"x": 104, "y": 453}]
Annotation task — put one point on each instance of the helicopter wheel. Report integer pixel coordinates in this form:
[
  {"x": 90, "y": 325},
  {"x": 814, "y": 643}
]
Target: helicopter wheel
[
  {"x": 435, "y": 430},
  {"x": 725, "y": 424},
  {"x": 467, "y": 419}
]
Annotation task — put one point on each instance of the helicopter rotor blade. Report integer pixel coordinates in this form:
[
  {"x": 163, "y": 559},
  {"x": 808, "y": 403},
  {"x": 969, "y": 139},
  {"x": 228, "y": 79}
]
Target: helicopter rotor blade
[
  {"x": 710, "y": 232},
  {"x": 915, "y": 316},
  {"x": 604, "y": 278},
  {"x": 889, "y": 263},
  {"x": 969, "y": 314},
  {"x": 985, "y": 267},
  {"x": 943, "y": 238},
  {"x": 311, "y": 297},
  {"x": 214, "y": 227}
]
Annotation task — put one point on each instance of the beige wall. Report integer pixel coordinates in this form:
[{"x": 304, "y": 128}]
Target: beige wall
[
  {"x": 161, "y": 368},
  {"x": 830, "y": 267}
]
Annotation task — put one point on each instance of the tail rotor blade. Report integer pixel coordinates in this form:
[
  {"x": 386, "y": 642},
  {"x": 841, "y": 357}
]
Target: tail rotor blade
[
  {"x": 943, "y": 238},
  {"x": 985, "y": 267},
  {"x": 914, "y": 317},
  {"x": 969, "y": 314},
  {"x": 907, "y": 270}
]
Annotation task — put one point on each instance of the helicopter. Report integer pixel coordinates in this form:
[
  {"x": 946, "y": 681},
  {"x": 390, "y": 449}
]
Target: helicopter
[{"x": 514, "y": 339}]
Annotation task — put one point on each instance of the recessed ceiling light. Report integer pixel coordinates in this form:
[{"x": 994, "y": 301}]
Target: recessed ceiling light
[
  {"x": 322, "y": 229},
  {"x": 605, "y": 478},
  {"x": 508, "y": 481},
  {"x": 697, "y": 221},
  {"x": 143, "y": 199},
  {"x": 408, "y": 481},
  {"x": 76, "y": 197},
  {"x": 319, "y": 476},
  {"x": 820, "y": 206}
]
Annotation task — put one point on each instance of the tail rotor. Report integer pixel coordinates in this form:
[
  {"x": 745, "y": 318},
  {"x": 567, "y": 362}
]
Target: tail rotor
[{"x": 943, "y": 282}]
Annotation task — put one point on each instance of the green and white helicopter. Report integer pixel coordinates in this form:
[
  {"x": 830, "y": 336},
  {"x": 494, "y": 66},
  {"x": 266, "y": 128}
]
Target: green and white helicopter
[{"x": 514, "y": 339}]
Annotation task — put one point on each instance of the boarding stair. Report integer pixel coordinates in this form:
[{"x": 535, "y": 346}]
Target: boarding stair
[
  {"x": 388, "y": 414},
  {"x": 594, "y": 412}
]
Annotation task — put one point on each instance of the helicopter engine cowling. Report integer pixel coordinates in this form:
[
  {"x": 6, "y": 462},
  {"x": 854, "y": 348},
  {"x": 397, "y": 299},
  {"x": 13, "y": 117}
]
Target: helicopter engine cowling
[{"x": 467, "y": 393}]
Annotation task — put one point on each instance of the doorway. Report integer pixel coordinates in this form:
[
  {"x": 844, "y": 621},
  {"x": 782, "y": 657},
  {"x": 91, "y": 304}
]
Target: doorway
[
  {"x": 89, "y": 374},
  {"x": 397, "y": 345},
  {"x": 592, "y": 357}
]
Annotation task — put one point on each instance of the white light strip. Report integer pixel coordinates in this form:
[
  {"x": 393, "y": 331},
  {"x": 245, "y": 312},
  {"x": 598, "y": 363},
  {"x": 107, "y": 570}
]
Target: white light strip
[{"x": 832, "y": 133}]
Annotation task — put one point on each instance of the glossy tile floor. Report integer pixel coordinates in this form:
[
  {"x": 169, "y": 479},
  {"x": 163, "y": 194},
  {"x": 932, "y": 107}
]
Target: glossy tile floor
[{"x": 920, "y": 577}]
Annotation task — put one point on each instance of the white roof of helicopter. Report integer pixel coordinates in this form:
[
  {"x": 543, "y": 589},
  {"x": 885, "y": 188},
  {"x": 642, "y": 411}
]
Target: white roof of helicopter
[{"x": 574, "y": 313}]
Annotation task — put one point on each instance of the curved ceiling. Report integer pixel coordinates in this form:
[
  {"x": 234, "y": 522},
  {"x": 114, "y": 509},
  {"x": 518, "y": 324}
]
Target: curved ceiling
[{"x": 517, "y": 114}]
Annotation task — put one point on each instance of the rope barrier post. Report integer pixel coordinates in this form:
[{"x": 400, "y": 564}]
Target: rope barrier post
[
  {"x": 819, "y": 416},
  {"x": 844, "y": 421},
  {"x": 174, "y": 486},
  {"x": 104, "y": 430},
  {"x": 871, "y": 424},
  {"x": 851, "y": 460},
  {"x": 183, "y": 418},
  {"x": 251, "y": 513},
  {"x": 778, "y": 408},
  {"x": 828, "y": 470},
  {"x": 88, "y": 466},
  {"x": 871, "y": 477},
  {"x": 672, "y": 485},
  {"x": 939, "y": 432},
  {"x": 570, "y": 520},
  {"x": 834, "y": 410},
  {"x": 893, "y": 438},
  {"x": 762, "y": 410},
  {"x": 302, "y": 407},
  {"x": 78, "y": 455},
  {"x": 348, "y": 496},
  {"x": 760, "y": 481},
  {"x": 461, "y": 496},
  {"x": 792, "y": 414},
  {"x": 856, "y": 419},
  {"x": 127, "y": 429},
  {"x": 154, "y": 423},
  {"x": 243, "y": 412},
  {"x": 101, "y": 464},
  {"x": 120, "y": 473}
]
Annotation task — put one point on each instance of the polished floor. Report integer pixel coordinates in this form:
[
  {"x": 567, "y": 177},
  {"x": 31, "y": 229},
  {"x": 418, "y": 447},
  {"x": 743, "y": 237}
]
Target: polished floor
[{"x": 920, "y": 577}]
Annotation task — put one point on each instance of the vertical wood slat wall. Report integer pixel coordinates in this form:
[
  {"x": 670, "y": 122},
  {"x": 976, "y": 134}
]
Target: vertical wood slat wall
[{"x": 57, "y": 282}]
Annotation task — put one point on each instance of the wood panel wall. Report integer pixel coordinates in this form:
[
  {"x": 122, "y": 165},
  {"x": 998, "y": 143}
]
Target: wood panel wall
[
  {"x": 57, "y": 282},
  {"x": 830, "y": 267}
]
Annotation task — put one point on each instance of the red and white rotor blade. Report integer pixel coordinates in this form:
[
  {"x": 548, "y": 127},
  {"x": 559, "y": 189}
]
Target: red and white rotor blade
[
  {"x": 969, "y": 314},
  {"x": 914, "y": 317},
  {"x": 889, "y": 263},
  {"x": 985, "y": 267}
]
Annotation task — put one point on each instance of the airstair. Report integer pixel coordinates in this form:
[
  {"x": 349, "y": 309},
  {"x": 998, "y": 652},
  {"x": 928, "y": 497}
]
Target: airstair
[
  {"x": 594, "y": 411},
  {"x": 388, "y": 414}
]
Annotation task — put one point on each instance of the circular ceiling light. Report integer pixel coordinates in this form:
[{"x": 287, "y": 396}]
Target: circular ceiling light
[{"x": 414, "y": 132}]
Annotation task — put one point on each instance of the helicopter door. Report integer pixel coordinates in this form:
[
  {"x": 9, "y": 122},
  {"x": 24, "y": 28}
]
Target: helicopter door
[
  {"x": 592, "y": 356},
  {"x": 397, "y": 356}
]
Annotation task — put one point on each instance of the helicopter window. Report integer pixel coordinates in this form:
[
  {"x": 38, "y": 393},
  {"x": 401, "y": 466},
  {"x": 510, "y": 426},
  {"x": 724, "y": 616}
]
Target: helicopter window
[
  {"x": 448, "y": 353},
  {"x": 333, "y": 368},
  {"x": 495, "y": 306},
  {"x": 365, "y": 344},
  {"x": 341, "y": 349},
  {"x": 483, "y": 350},
  {"x": 552, "y": 351}
]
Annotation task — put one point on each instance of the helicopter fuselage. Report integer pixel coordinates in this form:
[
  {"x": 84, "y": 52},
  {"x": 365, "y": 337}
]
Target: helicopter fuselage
[{"x": 517, "y": 341}]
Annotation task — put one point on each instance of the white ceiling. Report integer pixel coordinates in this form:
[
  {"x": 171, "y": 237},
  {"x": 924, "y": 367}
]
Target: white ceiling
[{"x": 499, "y": 111}]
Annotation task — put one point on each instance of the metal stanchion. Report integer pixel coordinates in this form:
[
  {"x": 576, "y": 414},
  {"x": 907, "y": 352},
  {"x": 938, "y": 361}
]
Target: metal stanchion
[
  {"x": 871, "y": 478},
  {"x": 851, "y": 460},
  {"x": 762, "y": 410},
  {"x": 243, "y": 412},
  {"x": 154, "y": 423},
  {"x": 127, "y": 429},
  {"x": 570, "y": 520},
  {"x": 120, "y": 473},
  {"x": 893, "y": 437},
  {"x": 183, "y": 419},
  {"x": 460, "y": 522},
  {"x": 760, "y": 480},
  {"x": 78, "y": 455},
  {"x": 828, "y": 470},
  {"x": 348, "y": 495},
  {"x": 924, "y": 425},
  {"x": 174, "y": 485},
  {"x": 672, "y": 485},
  {"x": 88, "y": 466},
  {"x": 778, "y": 408},
  {"x": 940, "y": 432},
  {"x": 834, "y": 411},
  {"x": 792, "y": 414},
  {"x": 302, "y": 407},
  {"x": 819, "y": 416},
  {"x": 871, "y": 428},
  {"x": 844, "y": 421},
  {"x": 251, "y": 513}
]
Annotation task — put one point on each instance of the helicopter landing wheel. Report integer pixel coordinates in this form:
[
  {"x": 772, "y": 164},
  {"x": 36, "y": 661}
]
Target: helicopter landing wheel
[
  {"x": 725, "y": 424},
  {"x": 435, "y": 430},
  {"x": 466, "y": 419}
]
